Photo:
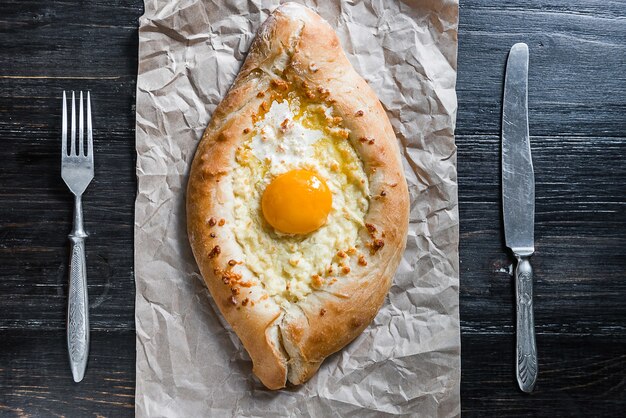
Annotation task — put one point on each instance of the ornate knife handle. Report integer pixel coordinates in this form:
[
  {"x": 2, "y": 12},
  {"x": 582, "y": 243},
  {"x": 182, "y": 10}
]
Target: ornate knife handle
[
  {"x": 526, "y": 345},
  {"x": 78, "y": 303}
]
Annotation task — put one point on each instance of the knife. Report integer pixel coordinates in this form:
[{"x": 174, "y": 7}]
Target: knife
[{"x": 518, "y": 204}]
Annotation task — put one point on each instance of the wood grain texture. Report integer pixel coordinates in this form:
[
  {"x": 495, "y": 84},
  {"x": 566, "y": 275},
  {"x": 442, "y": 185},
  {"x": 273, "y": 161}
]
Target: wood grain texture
[
  {"x": 578, "y": 376},
  {"x": 46, "y": 47},
  {"x": 34, "y": 378},
  {"x": 577, "y": 112},
  {"x": 577, "y": 103},
  {"x": 579, "y": 237},
  {"x": 577, "y": 57}
]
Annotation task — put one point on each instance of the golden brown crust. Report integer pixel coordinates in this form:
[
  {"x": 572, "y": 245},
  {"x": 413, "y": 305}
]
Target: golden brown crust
[{"x": 296, "y": 49}]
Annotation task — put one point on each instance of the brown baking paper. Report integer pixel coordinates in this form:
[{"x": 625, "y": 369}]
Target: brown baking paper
[{"x": 189, "y": 363}]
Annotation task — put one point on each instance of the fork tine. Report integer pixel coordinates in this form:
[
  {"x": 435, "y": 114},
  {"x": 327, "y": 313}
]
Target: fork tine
[
  {"x": 89, "y": 131},
  {"x": 73, "y": 136},
  {"x": 64, "y": 127},
  {"x": 81, "y": 126}
]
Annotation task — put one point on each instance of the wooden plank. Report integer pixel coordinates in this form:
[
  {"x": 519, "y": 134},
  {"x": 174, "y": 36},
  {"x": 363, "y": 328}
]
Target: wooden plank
[
  {"x": 36, "y": 214},
  {"x": 68, "y": 39},
  {"x": 593, "y": 8},
  {"x": 576, "y": 220},
  {"x": 35, "y": 378},
  {"x": 578, "y": 376},
  {"x": 579, "y": 236},
  {"x": 31, "y": 108},
  {"x": 577, "y": 49},
  {"x": 574, "y": 88}
]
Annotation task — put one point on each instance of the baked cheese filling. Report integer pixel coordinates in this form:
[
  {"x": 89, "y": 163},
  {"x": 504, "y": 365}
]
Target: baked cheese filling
[{"x": 289, "y": 140}]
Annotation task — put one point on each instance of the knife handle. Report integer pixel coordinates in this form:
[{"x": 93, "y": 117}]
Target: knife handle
[{"x": 526, "y": 360}]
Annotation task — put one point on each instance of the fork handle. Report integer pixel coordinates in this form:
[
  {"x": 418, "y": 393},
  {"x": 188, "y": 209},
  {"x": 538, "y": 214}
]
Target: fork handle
[{"x": 78, "y": 303}]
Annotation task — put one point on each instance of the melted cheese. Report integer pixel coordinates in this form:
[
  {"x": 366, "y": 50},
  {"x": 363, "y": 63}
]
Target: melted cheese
[{"x": 290, "y": 137}]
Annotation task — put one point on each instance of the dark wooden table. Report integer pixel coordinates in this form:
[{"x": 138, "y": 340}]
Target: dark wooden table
[{"x": 578, "y": 128}]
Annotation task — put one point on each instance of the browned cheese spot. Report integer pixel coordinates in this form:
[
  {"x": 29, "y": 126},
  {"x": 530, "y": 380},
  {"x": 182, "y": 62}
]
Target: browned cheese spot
[
  {"x": 280, "y": 84},
  {"x": 215, "y": 251},
  {"x": 222, "y": 222},
  {"x": 229, "y": 276},
  {"x": 344, "y": 133},
  {"x": 246, "y": 130},
  {"x": 362, "y": 260},
  {"x": 284, "y": 126},
  {"x": 323, "y": 92},
  {"x": 322, "y": 312},
  {"x": 317, "y": 281},
  {"x": 376, "y": 245},
  {"x": 359, "y": 113},
  {"x": 212, "y": 221}
]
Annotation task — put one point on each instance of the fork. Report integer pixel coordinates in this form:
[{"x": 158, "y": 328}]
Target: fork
[{"x": 77, "y": 172}]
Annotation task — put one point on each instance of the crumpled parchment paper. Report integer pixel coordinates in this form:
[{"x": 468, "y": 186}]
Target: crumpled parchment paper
[{"x": 189, "y": 364}]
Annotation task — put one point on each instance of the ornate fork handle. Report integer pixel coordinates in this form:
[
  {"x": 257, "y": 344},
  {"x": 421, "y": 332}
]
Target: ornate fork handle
[
  {"x": 78, "y": 303},
  {"x": 526, "y": 345}
]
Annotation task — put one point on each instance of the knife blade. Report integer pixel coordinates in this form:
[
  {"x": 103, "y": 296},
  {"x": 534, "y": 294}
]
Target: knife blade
[{"x": 518, "y": 204}]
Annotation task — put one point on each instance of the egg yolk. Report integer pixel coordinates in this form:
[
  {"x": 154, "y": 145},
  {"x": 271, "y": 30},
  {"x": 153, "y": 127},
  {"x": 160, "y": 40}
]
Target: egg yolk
[{"x": 297, "y": 202}]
